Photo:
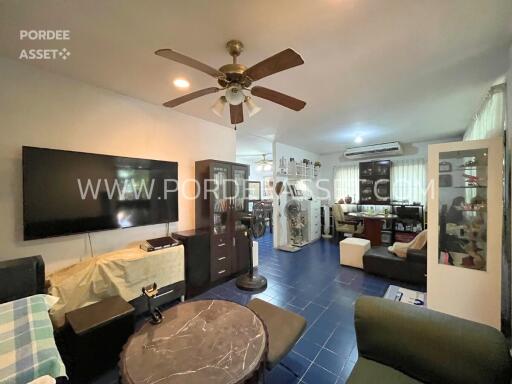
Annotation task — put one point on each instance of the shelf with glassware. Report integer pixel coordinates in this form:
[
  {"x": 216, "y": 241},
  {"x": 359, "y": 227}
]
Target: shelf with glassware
[
  {"x": 292, "y": 169},
  {"x": 374, "y": 182},
  {"x": 463, "y": 215}
]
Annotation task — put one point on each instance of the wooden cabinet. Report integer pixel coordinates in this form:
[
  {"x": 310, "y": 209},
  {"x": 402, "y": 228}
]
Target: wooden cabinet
[
  {"x": 220, "y": 206},
  {"x": 197, "y": 260},
  {"x": 374, "y": 182}
]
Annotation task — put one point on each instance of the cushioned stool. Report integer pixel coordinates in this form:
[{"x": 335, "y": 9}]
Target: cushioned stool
[
  {"x": 284, "y": 329},
  {"x": 352, "y": 251}
]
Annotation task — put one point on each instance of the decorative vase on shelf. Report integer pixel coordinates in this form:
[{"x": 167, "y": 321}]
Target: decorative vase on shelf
[{"x": 348, "y": 199}]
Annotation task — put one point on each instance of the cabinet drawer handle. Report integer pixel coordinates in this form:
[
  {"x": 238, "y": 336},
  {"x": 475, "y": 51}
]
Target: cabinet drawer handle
[
  {"x": 221, "y": 258},
  {"x": 221, "y": 272},
  {"x": 221, "y": 245}
]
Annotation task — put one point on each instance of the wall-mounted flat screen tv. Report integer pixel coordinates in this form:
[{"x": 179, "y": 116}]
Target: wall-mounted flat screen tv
[{"x": 67, "y": 192}]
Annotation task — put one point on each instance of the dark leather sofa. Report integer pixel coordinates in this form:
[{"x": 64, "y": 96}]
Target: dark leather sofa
[
  {"x": 412, "y": 269},
  {"x": 402, "y": 343},
  {"x": 21, "y": 278}
]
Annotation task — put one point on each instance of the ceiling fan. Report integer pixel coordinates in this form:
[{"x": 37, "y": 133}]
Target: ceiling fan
[
  {"x": 264, "y": 164},
  {"x": 236, "y": 78}
]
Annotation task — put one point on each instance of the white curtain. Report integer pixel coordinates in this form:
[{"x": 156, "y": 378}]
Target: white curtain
[
  {"x": 408, "y": 180},
  {"x": 346, "y": 182},
  {"x": 490, "y": 119}
]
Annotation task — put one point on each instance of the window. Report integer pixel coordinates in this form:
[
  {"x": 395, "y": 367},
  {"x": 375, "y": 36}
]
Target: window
[
  {"x": 346, "y": 182},
  {"x": 408, "y": 180}
]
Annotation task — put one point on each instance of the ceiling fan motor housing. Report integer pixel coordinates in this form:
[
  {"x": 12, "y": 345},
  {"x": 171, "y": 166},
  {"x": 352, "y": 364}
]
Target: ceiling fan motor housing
[{"x": 234, "y": 73}]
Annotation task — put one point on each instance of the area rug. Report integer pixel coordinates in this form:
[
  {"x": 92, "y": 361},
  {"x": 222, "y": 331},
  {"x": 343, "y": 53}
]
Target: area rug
[{"x": 404, "y": 295}]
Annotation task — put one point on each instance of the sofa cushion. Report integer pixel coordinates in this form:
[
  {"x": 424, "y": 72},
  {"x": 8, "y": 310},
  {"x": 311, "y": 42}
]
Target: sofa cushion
[{"x": 369, "y": 371}]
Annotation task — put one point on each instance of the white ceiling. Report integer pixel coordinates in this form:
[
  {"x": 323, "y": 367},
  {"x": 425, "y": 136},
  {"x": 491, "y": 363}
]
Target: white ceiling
[
  {"x": 386, "y": 69},
  {"x": 251, "y": 146}
]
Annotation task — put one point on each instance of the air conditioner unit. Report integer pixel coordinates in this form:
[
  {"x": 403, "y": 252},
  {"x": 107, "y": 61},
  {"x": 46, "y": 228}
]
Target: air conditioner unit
[{"x": 375, "y": 150}]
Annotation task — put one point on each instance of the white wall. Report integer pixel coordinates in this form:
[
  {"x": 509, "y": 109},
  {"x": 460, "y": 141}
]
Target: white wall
[
  {"x": 411, "y": 151},
  {"x": 45, "y": 110},
  {"x": 280, "y": 223}
]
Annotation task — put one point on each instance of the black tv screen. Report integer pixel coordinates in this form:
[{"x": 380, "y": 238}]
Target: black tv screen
[{"x": 67, "y": 192}]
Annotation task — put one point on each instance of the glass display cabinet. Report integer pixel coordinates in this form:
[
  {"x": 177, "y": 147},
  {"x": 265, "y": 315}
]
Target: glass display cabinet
[
  {"x": 219, "y": 207},
  {"x": 465, "y": 216}
]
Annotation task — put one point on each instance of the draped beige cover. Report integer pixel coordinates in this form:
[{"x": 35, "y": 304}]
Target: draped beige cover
[
  {"x": 400, "y": 249},
  {"x": 122, "y": 273}
]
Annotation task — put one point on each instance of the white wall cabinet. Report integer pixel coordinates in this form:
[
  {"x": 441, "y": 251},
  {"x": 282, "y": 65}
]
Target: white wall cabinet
[{"x": 313, "y": 214}]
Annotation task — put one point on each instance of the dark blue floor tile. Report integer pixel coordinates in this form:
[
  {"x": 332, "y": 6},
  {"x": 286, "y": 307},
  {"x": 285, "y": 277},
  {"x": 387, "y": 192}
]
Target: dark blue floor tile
[
  {"x": 319, "y": 375},
  {"x": 312, "y": 312},
  {"x": 300, "y": 302},
  {"x": 318, "y": 334},
  {"x": 341, "y": 346},
  {"x": 353, "y": 355},
  {"x": 296, "y": 363},
  {"x": 307, "y": 348},
  {"x": 345, "y": 372},
  {"x": 280, "y": 375},
  {"x": 330, "y": 361}
]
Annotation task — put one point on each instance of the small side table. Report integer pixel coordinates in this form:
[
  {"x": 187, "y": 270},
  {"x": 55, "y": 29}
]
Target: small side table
[
  {"x": 200, "y": 341},
  {"x": 97, "y": 334}
]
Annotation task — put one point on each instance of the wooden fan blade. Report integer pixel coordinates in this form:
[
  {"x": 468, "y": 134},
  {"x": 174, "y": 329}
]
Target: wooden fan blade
[
  {"x": 179, "y": 58},
  {"x": 278, "y": 97},
  {"x": 237, "y": 113},
  {"x": 190, "y": 96},
  {"x": 279, "y": 62}
]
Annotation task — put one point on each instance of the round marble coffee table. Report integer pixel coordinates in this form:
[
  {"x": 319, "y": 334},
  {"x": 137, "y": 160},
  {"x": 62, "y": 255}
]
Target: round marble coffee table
[{"x": 205, "y": 341}]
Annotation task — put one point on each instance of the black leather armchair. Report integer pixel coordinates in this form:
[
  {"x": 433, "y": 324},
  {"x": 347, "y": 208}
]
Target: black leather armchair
[
  {"x": 21, "y": 278},
  {"x": 412, "y": 269}
]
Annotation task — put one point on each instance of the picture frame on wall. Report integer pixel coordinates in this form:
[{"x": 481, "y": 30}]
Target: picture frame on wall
[
  {"x": 445, "y": 181},
  {"x": 253, "y": 190},
  {"x": 445, "y": 166}
]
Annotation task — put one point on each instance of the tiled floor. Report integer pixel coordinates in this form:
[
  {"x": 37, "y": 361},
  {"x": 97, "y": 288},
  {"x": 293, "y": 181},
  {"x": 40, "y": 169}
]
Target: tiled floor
[{"x": 313, "y": 284}]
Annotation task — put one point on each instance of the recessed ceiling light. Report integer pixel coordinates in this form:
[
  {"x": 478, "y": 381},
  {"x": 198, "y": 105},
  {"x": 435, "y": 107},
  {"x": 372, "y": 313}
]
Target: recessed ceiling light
[
  {"x": 181, "y": 83},
  {"x": 358, "y": 140}
]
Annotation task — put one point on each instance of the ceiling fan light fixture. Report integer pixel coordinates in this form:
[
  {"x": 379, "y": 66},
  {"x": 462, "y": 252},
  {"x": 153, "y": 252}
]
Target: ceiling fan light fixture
[
  {"x": 251, "y": 106},
  {"x": 267, "y": 167},
  {"x": 235, "y": 94},
  {"x": 218, "y": 106}
]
